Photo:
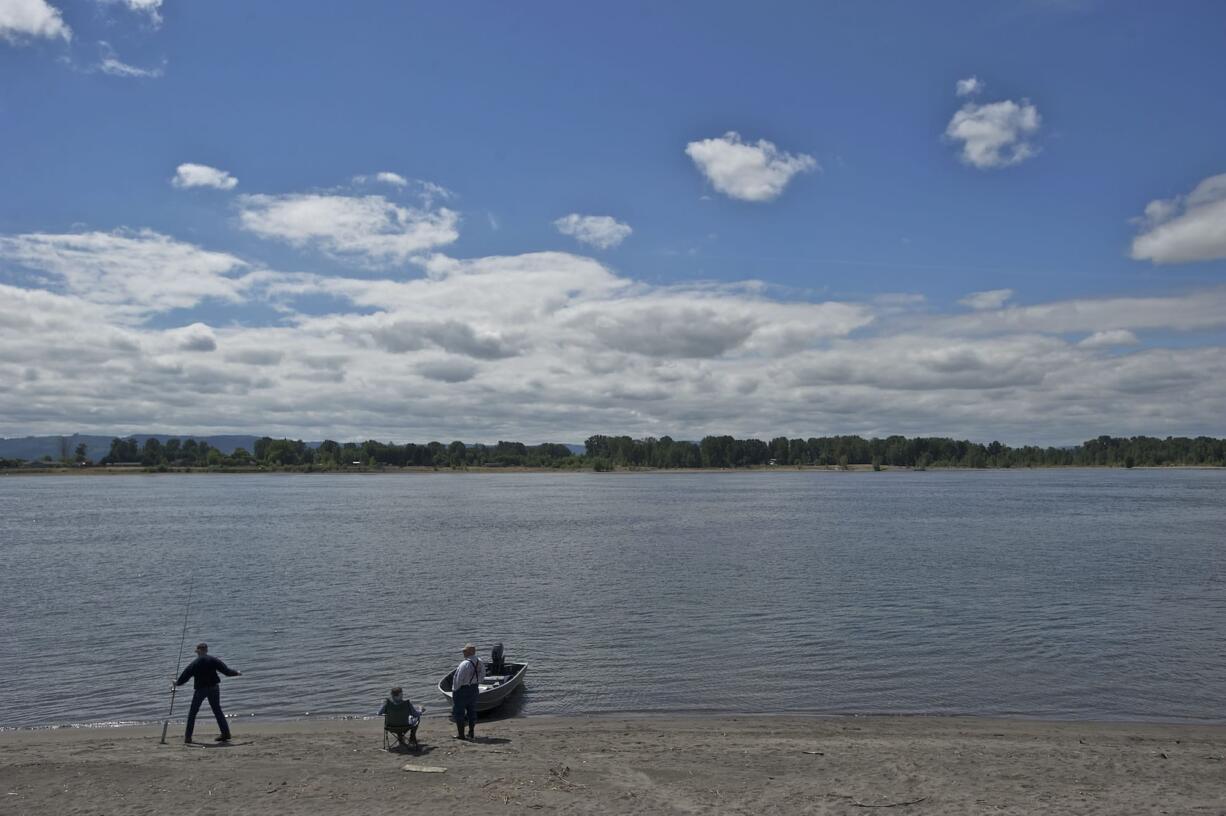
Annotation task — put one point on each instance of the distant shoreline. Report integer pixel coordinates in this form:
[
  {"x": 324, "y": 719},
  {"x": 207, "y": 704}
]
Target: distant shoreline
[{"x": 108, "y": 470}]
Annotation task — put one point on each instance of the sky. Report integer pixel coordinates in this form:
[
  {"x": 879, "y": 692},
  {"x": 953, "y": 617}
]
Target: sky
[{"x": 538, "y": 222}]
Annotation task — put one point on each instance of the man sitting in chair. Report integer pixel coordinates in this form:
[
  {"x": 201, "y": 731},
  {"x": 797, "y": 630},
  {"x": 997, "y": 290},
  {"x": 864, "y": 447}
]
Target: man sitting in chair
[{"x": 400, "y": 716}]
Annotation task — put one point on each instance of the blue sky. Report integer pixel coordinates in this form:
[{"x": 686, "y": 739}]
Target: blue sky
[{"x": 650, "y": 218}]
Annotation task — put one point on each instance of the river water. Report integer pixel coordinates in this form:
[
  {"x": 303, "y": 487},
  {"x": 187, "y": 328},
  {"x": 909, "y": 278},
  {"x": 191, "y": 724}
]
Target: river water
[{"x": 1078, "y": 594}]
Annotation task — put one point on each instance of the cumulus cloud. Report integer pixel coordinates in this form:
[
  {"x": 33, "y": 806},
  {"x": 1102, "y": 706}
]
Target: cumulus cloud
[
  {"x": 1185, "y": 228},
  {"x": 990, "y": 299},
  {"x": 201, "y": 175},
  {"x": 368, "y": 227},
  {"x": 600, "y": 231},
  {"x": 394, "y": 179},
  {"x": 196, "y": 337},
  {"x": 23, "y": 20},
  {"x": 969, "y": 86},
  {"x": 997, "y": 134},
  {"x": 747, "y": 171}
]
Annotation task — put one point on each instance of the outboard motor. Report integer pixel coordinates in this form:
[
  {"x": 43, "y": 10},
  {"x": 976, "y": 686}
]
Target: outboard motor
[{"x": 497, "y": 666}]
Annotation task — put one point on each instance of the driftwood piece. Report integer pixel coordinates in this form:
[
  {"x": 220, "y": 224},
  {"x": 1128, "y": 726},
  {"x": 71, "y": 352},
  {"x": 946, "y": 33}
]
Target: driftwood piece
[{"x": 889, "y": 804}]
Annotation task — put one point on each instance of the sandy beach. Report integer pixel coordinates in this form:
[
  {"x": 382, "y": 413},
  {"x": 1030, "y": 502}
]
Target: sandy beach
[{"x": 716, "y": 764}]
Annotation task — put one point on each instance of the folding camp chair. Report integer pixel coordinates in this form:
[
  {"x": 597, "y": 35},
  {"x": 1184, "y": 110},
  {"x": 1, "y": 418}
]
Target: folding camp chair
[{"x": 400, "y": 719}]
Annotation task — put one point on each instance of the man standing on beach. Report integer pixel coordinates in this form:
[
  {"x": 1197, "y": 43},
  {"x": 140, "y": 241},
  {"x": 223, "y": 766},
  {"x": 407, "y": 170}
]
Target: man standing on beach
[
  {"x": 204, "y": 670},
  {"x": 464, "y": 686}
]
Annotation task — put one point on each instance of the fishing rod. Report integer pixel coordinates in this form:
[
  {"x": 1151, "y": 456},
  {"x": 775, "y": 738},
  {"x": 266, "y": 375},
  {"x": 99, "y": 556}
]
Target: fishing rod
[{"x": 179, "y": 663}]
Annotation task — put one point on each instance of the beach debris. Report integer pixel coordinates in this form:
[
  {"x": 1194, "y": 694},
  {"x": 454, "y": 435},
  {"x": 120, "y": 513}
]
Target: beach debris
[
  {"x": 888, "y": 804},
  {"x": 814, "y": 753},
  {"x": 423, "y": 768}
]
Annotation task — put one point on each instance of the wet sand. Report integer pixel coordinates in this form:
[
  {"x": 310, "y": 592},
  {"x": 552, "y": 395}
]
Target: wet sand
[{"x": 714, "y": 764}]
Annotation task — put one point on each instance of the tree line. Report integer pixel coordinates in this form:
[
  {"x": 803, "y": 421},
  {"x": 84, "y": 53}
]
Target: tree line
[
  {"x": 901, "y": 451},
  {"x": 611, "y": 452}
]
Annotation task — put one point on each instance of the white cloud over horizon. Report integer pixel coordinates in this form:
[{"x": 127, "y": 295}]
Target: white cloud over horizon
[
  {"x": 24, "y": 20},
  {"x": 1185, "y": 228},
  {"x": 600, "y": 231},
  {"x": 747, "y": 171},
  {"x": 996, "y": 134},
  {"x": 201, "y": 175},
  {"x": 554, "y": 346}
]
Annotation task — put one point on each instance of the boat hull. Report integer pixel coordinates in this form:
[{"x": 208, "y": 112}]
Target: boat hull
[{"x": 492, "y": 695}]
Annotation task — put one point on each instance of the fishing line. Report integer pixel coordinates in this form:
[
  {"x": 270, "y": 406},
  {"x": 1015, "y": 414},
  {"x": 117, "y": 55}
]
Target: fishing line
[{"x": 179, "y": 663}]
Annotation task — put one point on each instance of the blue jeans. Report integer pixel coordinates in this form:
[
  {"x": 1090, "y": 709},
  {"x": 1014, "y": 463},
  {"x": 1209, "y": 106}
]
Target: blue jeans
[
  {"x": 464, "y": 705},
  {"x": 213, "y": 695}
]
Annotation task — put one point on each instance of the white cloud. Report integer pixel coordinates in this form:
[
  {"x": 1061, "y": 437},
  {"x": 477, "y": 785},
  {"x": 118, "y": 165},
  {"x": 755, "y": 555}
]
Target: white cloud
[
  {"x": 201, "y": 175},
  {"x": 21, "y": 20},
  {"x": 112, "y": 65},
  {"x": 997, "y": 134},
  {"x": 991, "y": 299},
  {"x": 600, "y": 231},
  {"x": 969, "y": 86},
  {"x": 152, "y": 8},
  {"x": 1109, "y": 339},
  {"x": 394, "y": 179},
  {"x": 136, "y": 273},
  {"x": 1185, "y": 228},
  {"x": 747, "y": 171},
  {"x": 367, "y": 227}
]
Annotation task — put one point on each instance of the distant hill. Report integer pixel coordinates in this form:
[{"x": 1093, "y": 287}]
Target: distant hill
[{"x": 32, "y": 448}]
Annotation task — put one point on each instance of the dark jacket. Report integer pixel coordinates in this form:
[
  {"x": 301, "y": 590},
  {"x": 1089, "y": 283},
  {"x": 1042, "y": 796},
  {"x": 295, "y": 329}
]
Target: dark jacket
[{"x": 204, "y": 669}]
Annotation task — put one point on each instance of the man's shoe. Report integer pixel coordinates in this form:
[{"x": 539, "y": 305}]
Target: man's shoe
[
  {"x": 222, "y": 738},
  {"x": 187, "y": 740}
]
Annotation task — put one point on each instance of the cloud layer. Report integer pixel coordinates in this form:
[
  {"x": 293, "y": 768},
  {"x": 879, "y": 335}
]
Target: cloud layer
[
  {"x": 133, "y": 273},
  {"x": 99, "y": 334},
  {"x": 600, "y": 231},
  {"x": 747, "y": 171}
]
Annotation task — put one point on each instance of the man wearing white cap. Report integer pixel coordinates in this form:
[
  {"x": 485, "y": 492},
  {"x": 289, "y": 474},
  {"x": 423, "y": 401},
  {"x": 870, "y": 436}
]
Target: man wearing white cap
[{"x": 464, "y": 687}]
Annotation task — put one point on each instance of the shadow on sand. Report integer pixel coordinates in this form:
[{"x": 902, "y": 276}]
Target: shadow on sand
[{"x": 421, "y": 749}]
